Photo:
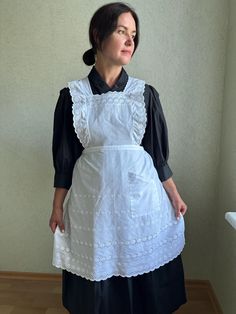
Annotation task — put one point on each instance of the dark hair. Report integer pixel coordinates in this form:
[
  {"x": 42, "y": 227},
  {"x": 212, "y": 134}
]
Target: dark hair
[{"x": 103, "y": 24}]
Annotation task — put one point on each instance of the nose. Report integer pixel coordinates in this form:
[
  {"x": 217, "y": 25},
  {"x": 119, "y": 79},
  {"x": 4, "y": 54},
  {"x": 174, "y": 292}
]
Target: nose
[{"x": 129, "y": 41}]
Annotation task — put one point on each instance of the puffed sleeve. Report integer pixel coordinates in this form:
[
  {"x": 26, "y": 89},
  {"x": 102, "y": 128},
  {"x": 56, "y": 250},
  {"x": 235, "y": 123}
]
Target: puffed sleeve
[
  {"x": 66, "y": 147},
  {"x": 155, "y": 140}
]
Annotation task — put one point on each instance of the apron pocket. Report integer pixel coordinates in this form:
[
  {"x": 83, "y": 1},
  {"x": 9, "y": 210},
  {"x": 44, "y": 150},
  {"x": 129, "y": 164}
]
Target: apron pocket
[{"x": 144, "y": 198}]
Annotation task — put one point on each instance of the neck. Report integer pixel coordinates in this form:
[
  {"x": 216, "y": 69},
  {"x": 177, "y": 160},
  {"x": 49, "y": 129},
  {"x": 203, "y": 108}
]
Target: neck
[{"x": 109, "y": 73}]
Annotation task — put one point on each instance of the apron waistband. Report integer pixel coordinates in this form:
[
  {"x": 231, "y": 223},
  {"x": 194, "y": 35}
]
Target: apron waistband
[{"x": 111, "y": 147}]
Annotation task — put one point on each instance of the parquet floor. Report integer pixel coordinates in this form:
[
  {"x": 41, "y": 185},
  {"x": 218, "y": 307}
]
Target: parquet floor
[{"x": 28, "y": 296}]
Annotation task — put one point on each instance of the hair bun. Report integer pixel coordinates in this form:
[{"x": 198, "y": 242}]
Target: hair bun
[{"x": 89, "y": 57}]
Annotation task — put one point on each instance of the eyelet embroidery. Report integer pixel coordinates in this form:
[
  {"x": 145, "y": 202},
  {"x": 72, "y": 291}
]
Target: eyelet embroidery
[{"x": 82, "y": 100}]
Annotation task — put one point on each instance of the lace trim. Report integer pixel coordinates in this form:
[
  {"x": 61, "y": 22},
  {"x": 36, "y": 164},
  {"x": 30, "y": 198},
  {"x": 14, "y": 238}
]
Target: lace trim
[
  {"x": 67, "y": 263},
  {"x": 83, "y": 259},
  {"x": 79, "y": 111},
  {"x": 116, "y": 243},
  {"x": 138, "y": 108},
  {"x": 135, "y": 90},
  {"x": 109, "y": 275}
]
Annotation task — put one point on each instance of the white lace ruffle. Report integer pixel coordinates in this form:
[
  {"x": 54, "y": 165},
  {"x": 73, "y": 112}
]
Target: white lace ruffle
[
  {"x": 81, "y": 99},
  {"x": 139, "y": 121},
  {"x": 79, "y": 110},
  {"x": 136, "y": 92}
]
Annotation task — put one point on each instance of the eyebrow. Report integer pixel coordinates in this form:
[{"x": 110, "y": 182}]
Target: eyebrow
[{"x": 126, "y": 28}]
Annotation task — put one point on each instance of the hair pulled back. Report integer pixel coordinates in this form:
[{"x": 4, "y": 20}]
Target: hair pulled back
[{"x": 103, "y": 24}]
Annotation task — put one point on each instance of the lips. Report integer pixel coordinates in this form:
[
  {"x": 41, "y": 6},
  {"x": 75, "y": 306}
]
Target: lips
[{"x": 126, "y": 52}]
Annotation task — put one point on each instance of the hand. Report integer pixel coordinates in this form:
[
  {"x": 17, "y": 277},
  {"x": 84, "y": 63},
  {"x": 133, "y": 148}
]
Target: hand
[
  {"x": 179, "y": 206},
  {"x": 57, "y": 220},
  {"x": 176, "y": 200}
]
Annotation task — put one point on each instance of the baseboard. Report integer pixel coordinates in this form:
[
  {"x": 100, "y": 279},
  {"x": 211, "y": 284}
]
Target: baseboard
[
  {"x": 190, "y": 283},
  {"x": 29, "y": 276}
]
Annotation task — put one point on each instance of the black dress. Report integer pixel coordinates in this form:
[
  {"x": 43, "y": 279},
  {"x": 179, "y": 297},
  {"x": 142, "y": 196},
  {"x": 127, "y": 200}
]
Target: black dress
[{"x": 161, "y": 291}]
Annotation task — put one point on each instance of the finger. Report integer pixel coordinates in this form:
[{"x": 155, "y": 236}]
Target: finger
[
  {"x": 62, "y": 227},
  {"x": 53, "y": 226},
  {"x": 183, "y": 210},
  {"x": 177, "y": 213}
]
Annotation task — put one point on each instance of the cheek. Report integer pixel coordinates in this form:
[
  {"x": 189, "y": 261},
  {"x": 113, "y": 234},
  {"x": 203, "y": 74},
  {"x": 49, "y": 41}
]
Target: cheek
[
  {"x": 120, "y": 45},
  {"x": 113, "y": 46},
  {"x": 110, "y": 46}
]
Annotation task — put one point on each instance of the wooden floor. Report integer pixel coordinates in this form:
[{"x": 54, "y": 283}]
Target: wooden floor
[{"x": 42, "y": 295}]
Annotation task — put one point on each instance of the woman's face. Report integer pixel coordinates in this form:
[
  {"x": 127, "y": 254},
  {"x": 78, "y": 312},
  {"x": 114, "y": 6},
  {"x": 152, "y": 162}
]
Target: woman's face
[{"x": 118, "y": 48}]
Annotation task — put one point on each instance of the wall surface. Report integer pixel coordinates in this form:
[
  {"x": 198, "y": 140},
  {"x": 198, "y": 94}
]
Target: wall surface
[
  {"x": 225, "y": 242},
  {"x": 182, "y": 53}
]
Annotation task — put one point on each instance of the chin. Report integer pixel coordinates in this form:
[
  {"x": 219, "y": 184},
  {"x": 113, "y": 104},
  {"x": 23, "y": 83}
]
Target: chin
[{"x": 125, "y": 61}]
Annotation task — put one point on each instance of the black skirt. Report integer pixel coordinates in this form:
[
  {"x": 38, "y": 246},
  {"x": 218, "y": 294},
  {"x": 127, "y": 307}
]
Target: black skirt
[{"x": 161, "y": 291}]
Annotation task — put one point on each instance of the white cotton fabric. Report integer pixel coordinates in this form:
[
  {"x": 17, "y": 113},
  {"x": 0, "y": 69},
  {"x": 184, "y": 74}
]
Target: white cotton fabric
[{"x": 118, "y": 218}]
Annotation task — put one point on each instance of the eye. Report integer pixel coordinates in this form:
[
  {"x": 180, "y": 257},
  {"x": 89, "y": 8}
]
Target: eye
[{"x": 121, "y": 31}]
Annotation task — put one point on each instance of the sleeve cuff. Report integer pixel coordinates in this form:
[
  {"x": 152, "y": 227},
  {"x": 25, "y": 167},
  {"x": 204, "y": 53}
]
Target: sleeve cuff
[
  {"x": 62, "y": 180},
  {"x": 164, "y": 172}
]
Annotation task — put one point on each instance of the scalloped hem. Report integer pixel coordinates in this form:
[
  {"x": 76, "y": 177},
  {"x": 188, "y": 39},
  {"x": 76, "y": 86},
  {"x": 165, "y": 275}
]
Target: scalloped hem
[{"x": 128, "y": 275}]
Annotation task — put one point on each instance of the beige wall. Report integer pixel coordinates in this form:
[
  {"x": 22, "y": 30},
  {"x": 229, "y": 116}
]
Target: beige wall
[
  {"x": 225, "y": 242},
  {"x": 182, "y": 53}
]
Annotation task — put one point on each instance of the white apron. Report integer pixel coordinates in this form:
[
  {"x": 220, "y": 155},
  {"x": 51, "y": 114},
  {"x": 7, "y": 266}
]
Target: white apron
[{"x": 118, "y": 218}]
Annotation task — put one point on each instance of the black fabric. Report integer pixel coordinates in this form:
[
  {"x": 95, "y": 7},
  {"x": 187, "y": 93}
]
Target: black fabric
[
  {"x": 158, "y": 292},
  {"x": 67, "y": 147}
]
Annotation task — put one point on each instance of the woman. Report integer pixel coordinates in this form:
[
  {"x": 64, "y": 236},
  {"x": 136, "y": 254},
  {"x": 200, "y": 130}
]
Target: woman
[{"x": 120, "y": 235}]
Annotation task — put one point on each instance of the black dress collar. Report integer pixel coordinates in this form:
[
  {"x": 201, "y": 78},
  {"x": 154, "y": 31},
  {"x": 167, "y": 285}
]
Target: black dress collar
[{"x": 99, "y": 86}]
